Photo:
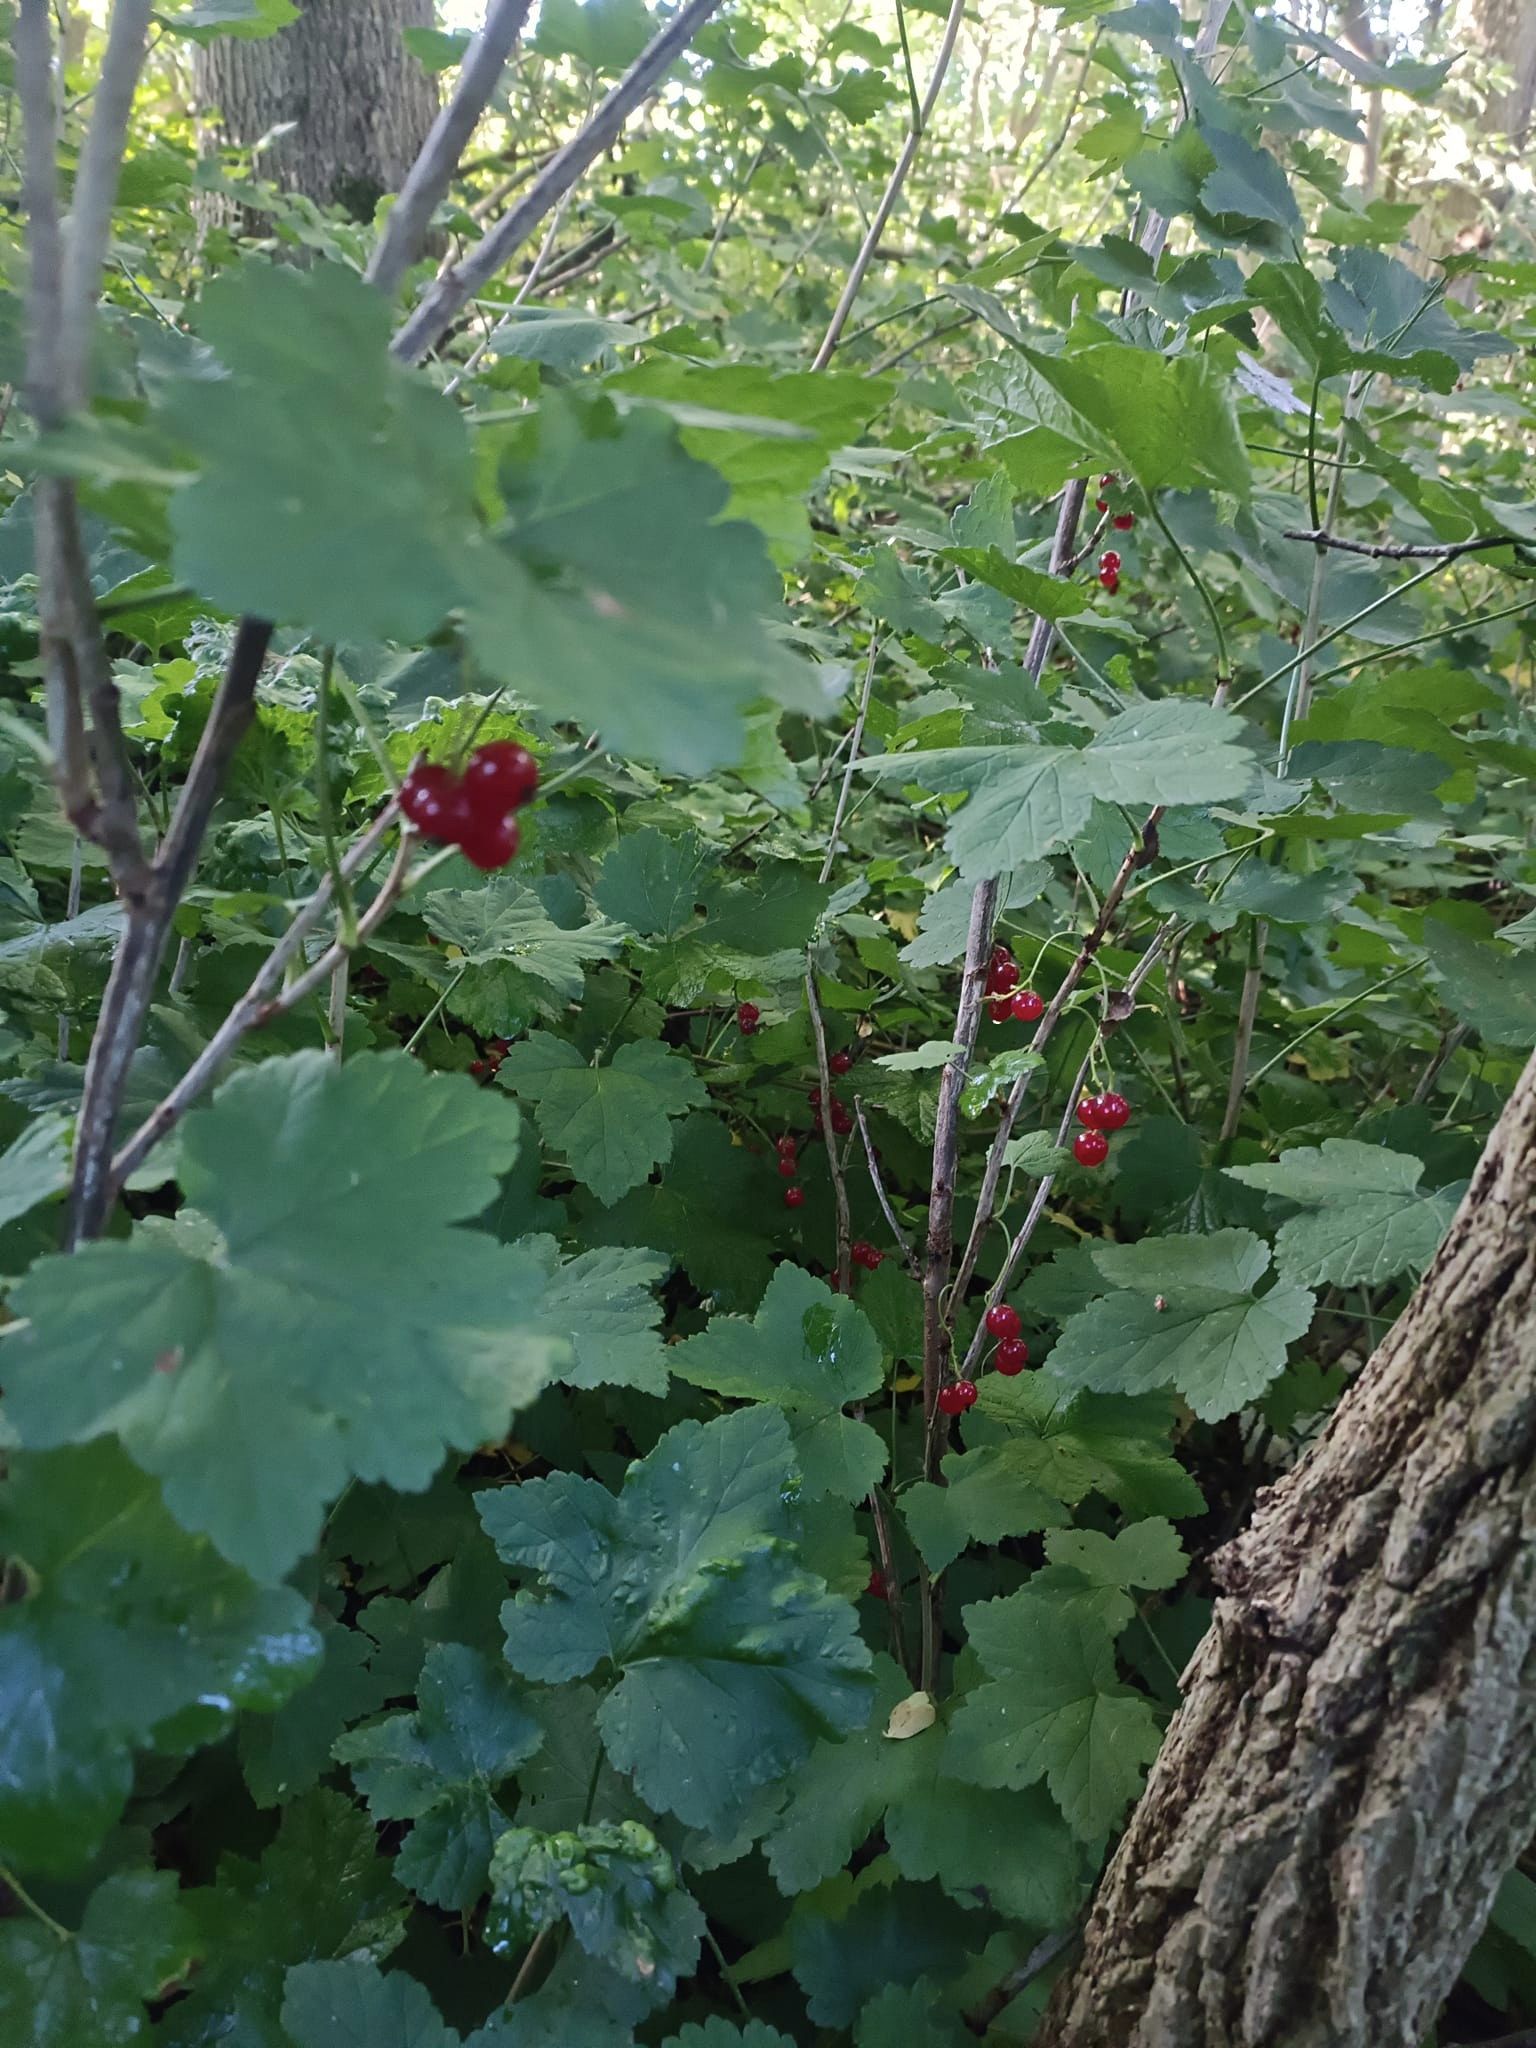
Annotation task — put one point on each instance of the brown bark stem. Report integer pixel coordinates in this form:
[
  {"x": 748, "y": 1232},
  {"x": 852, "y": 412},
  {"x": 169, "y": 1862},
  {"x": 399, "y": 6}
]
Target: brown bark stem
[{"x": 1349, "y": 1777}]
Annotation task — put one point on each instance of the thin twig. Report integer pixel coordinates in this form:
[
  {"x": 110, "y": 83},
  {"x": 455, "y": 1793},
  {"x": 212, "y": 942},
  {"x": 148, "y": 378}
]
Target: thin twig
[
  {"x": 1451, "y": 1041},
  {"x": 1442, "y": 551},
  {"x": 263, "y": 999},
  {"x": 915, "y": 131},
  {"x": 71, "y": 910},
  {"x": 908, "y": 1255},
  {"x": 1247, "y": 1017},
  {"x": 853, "y": 758},
  {"x": 427, "y": 182},
  {"x": 839, "y": 1182},
  {"x": 887, "y": 1555},
  {"x": 980, "y": 2017},
  {"x": 454, "y": 287}
]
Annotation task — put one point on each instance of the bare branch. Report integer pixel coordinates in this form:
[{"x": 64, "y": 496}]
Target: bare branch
[
  {"x": 261, "y": 1000},
  {"x": 979, "y": 2019},
  {"x": 892, "y": 192},
  {"x": 429, "y": 322},
  {"x": 427, "y": 182},
  {"x": 839, "y": 1183},
  {"x": 1154, "y": 231},
  {"x": 909, "y": 1257},
  {"x": 853, "y": 758},
  {"x": 33, "y": 46},
  {"x": 95, "y": 193},
  {"x": 234, "y": 706},
  {"x": 1384, "y": 552},
  {"x": 1247, "y": 1017}
]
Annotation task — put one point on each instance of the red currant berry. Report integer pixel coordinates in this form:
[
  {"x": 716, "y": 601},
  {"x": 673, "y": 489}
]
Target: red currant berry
[
  {"x": 814, "y": 1098},
  {"x": 1109, "y": 559},
  {"x": 1101, "y": 504},
  {"x": 1002, "y": 1321},
  {"x": 876, "y": 1587},
  {"x": 864, "y": 1254},
  {"x": 434, "y": 802},
  {"x": 1109, "y": 580},
  {"x": 789, "y": 1166},
  {"x": 1011, "y": 1356},
  {"x": 788, "y": 1143},
  {"x": 501, "y": 776},
  {"x": 1114, "y": 1112},
  {"x": 794, "y": 1197},
  {"x": 1088, "y": 1111},
  {"x": 954, "y": 1400},
  {"x": 482, "y": 1070},
  {"x": 1090, "y": 1148},
  {"x": 842, "y": 1122},
  {"x": 1002, "y": 976},
  {"x": 747, "y": 1015},
  {"x": 841, "y": 1062},
  {"x": 1027, "y": 1006},
  {"x": 487, "y": 842},
  {"x": 1107, "y": 482},
  {"x": 1001, "y": 1008},
  {"x": 1123, "y": 521}
]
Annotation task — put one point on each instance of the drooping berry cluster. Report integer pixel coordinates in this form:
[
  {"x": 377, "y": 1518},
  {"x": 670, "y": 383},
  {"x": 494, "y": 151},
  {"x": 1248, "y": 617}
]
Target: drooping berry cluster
[
  {"x": 788, "y": 1146},
  {"x": 1109, "y": 570},
  {"x": 864, "y": 1254},
  {"x": 473, "y": 811},
  {"x": 1099, "y": 1115},
  {"x": 957, "y": 1397},
  {"x": 1007, "y": 999},
  {"x": 1012, "y": 1353}
]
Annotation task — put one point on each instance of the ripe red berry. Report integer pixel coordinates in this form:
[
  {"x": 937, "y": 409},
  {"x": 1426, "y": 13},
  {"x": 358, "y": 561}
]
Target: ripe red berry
[
  {"x": 1114, "y": 1112},
  {"x": 864, "y": 1254},
  {"x": 1001, "y": 1008},
  {"x": 487, "y": 841},
  {"x": 501, "y": 776},
  {"x": 1109, "y": 559},
  {"x": 432, "y": 799},
  {"x": 1089, "y": 1112},
  {"x": 1123, "y": 521},
  {"x": 793, "y": 1197},
  {"x": 1002, "y": 1321},
  {"x": 1107, "y": 481},
  {"x": 1011, "y": 1356},
  {"x": 1101, "y": 504},
  {"x": 482, "y": 1070},
  {"x": 1027, "y": 1006},
  {"x": 1002, "y": 976},
  {"x": 747, "y": 1015},
  {"x": 788, "y": 1144},
  {"x": 1090, "y": 1148},
  {"x": 954, "y": 1400},
  {"x": 1109, "y": 579},
  {"x": 842, "y": 1122},
  {"x": 876, "y": 1587},
  {"x": 814, "y": 1098},
  {"x": 840, "y": 1062},
  {"x": 789, "y": 1166}
]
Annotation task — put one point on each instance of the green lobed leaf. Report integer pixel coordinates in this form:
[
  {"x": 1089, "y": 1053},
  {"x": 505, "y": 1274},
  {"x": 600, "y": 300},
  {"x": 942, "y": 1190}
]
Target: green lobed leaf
[
  {"x": 441, "y": 1767},
  {"x": 810, "y": 1352},
  {"x": 91, "y": 1988},
  {"x": 1365, "y": 1218},
  {"x": 250, "y": 1368},
  {"x": 128, "y": 1634},
  {"x": 612, "y": 1123},
  {"x": 733, "y": 1659},
  {"x": 1184, "y": 1314}
]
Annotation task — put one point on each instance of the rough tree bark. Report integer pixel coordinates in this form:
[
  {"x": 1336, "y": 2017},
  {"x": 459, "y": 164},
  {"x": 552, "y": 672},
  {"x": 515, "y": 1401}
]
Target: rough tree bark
[
  {"x": 1507, "y": 30},
  {"x": 1351, "y": 1773},
  {"x": 360, "y": 103}
]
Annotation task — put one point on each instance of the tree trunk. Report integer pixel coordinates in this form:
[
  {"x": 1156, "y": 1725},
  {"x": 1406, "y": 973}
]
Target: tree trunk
[
  {"x": 1508, "y": 32},
  {"x": 360, "y": 103},
  {"x": 1350, "y": 1775}
]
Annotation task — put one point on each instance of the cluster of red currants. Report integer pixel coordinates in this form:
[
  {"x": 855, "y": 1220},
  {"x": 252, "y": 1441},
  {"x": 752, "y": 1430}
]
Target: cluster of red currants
[
  {"x": 1122, "y": 521},
  {"x": 1007, "y": 998},
  {"x": 864, "y": 1254},
  {"x": 1012, "y": 1353},
  {"x": 1099, "y": 1115},
  {"x": 748, "y": 1017},
  {"x": 1109, "y": 570},
  {"x": 473, "y": 811},
  {"x": 496, "y": 1050}
]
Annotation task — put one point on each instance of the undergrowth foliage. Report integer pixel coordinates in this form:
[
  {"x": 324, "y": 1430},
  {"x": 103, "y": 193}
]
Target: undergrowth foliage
[{"x": 628, "y": 1445}]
